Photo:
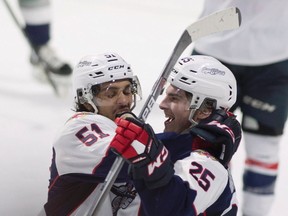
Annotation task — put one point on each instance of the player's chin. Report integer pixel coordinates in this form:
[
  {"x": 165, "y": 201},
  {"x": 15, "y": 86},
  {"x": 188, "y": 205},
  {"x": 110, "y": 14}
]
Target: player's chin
[{"x": 168, "y": 128}]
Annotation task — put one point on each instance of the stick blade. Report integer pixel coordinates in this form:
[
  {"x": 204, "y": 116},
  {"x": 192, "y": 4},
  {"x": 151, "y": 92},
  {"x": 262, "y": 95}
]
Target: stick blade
[{"x": 220, "y": 21}]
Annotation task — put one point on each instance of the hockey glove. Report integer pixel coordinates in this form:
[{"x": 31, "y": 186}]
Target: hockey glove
[
  {"x": 220, "y": 133},
  {"x": 135, "y": 141}
]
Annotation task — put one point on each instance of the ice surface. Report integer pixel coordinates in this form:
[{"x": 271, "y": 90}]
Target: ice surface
[{"x": 143, "y": 32}]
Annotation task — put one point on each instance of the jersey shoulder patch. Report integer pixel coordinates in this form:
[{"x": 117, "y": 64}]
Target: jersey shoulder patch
[{"x": 205, "y": 153}]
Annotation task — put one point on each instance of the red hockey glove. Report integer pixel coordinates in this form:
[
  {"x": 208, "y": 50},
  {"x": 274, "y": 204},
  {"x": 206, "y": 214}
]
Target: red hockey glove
[
  {"x": 222, "y": 131},
  {"x": 135, "y": 141}
]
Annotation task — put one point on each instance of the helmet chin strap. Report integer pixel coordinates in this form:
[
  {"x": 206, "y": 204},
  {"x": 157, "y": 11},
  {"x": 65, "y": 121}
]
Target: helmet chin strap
[
  {"x": 93, "y": 104},
  {"x": 134, "y": 102},
  {"x": 191, "y": 116}
]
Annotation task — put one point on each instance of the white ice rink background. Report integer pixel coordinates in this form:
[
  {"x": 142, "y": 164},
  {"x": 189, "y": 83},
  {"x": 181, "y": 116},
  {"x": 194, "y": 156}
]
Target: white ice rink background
[{"x": 143, "y": 32}]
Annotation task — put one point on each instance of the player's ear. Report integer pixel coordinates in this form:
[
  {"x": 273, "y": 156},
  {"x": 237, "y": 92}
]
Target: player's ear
[
  {"x": 88, "y": 107},
  {"x": 203, "y": 113}
]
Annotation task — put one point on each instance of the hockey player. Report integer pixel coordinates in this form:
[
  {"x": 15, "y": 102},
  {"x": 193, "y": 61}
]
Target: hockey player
[
  {"x": 37, "y": 17},
  {"x": 184, "y": 171},
  {"x": 257, "y": 54},
  {"x": 104, "y": 86}
]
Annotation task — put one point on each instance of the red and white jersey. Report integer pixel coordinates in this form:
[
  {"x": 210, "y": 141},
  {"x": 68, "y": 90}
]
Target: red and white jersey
[{"x": 81, "y": 161}]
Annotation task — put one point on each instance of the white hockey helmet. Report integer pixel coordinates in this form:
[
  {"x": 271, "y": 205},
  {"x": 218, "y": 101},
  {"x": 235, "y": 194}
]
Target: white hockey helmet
[
  {"x": 93, "y": 70},
  {"x": 205, "y": 78}
]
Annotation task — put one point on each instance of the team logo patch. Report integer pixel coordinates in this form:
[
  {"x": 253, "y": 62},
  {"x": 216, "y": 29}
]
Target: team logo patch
[
  {"x": 213, "y": 71},
  {"x": 205, "y": 153},
  {"x": 124, "y": 195}
]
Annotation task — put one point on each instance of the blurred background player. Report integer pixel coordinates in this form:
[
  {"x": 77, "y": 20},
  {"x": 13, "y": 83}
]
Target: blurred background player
[
  {"x": 257, "y": 54},
  {"x": 37, "y": 18}
]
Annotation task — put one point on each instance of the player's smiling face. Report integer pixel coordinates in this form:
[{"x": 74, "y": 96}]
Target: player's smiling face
[
  {"x": 114, "y": 98},
  {"x": 176, "y": 109}
]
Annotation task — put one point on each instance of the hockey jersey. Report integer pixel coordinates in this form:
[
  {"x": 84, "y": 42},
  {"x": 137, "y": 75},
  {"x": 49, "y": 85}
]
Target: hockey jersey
[
  {"x": 200, "y": 185},
  {"x": 81, "y": 161}
]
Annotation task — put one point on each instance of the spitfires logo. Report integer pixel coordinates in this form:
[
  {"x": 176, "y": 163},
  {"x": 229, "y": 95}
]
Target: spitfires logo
[
  {"x": 123, "y": 196},
  {"x": 213, "y": 71},
  {"x": 84, "y": 63}
]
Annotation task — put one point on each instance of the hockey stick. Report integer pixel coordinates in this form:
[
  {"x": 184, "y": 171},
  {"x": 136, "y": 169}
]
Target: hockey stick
[
  {"x": 227, "y": 19},
  {"x": 21, "y": 28}
]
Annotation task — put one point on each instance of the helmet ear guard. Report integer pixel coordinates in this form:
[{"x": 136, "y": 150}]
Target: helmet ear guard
[
  {"x": 80, "y": 98},
  {"x": 208, "y": 105},
  {"x": 136, "y": 87}
]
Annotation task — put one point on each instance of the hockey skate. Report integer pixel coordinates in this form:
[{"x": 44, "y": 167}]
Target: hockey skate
[{"x": 49, "y": 68}]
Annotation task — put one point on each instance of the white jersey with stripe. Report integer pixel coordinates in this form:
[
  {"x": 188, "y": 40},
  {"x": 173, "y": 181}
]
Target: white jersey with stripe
[{"x": 81, "y": 162}]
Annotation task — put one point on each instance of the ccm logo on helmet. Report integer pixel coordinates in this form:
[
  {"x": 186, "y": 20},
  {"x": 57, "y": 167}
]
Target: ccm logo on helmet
[{"x": 116, "y": 67}]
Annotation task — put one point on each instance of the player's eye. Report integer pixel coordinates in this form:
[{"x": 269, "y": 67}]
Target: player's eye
[{"x": 127, "y": 90}]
